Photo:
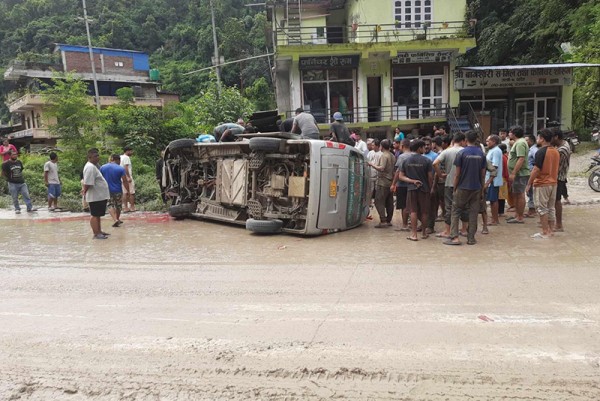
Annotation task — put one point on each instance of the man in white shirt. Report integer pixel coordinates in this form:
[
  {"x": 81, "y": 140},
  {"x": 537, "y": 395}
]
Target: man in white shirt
[
  {"x": 128, "y": 193},
  {"x": 95, "y": 191},
  {"x": 359, "y": 143},
  {"x": 52, "y": 181}
]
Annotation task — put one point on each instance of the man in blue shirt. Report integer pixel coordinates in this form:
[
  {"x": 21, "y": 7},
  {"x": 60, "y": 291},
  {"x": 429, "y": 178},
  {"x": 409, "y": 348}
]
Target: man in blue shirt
[
  {"x": 115, "y": 175},
  {"x": 494, "y": 156},
  {"x": 469, "y": 179}
]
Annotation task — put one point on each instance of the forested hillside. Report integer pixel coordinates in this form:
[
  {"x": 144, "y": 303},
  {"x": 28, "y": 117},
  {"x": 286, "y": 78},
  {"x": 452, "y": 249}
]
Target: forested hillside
[{"x": 178, "y": 35}]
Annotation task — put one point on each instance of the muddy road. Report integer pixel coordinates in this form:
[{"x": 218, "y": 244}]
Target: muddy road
[{"x": 169, "y": 310}]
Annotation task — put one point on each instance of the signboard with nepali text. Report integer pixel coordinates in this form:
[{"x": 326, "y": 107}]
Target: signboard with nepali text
[
  {"x": 434, "y": 56},
  {"x": 512, "y": 78},
  {"x": 329, "y": 62}
]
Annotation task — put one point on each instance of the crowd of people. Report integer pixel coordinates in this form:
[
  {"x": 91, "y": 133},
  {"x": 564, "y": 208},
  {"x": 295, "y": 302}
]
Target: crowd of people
[
  {"x": 453, "y": 178},
  {"x": 445, "y": 178},
  {"x": 102, "y": 186}
]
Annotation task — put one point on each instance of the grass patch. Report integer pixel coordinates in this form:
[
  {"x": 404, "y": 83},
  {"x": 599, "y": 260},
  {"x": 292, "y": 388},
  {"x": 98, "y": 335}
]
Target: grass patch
[{"x": 585, "y": 147}]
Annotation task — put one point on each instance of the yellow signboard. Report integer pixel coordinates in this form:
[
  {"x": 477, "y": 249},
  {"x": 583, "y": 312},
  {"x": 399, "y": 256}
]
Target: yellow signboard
[{"x": 332, "y": 188}]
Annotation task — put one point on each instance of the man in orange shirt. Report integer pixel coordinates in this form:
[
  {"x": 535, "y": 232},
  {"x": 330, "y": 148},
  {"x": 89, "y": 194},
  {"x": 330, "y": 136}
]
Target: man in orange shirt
[{"x": 544, "y": 179}]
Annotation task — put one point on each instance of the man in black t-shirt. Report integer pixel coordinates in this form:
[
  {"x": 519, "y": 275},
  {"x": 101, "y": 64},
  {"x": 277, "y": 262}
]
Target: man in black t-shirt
[
  {"x": 12, "y": 169},
  {"x": 417, "y": 171},
  {"x": 339, "y": 131}
]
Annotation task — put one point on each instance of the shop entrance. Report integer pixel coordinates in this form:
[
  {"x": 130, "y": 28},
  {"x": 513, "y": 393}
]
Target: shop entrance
[{"x": 374, "y": 98}]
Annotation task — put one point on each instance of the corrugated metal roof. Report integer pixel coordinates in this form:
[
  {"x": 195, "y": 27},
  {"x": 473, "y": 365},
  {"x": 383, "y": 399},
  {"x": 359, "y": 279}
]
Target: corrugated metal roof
[{"x": 528, "y": 67}]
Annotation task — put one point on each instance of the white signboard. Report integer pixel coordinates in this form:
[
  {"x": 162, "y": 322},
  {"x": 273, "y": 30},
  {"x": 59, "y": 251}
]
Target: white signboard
[
  {"x": 435, "y": 56},
  {"x": 513, "y": 78}
]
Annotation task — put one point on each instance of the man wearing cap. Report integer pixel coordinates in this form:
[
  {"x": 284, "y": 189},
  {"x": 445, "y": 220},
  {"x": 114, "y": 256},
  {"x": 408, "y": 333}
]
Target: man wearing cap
[
  {"x": 339, "y": 131},
  {"x": 305, "y": 125}
]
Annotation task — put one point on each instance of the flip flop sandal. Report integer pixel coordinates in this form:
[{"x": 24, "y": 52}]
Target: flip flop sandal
[
  {"x": 450, "y": 242},
  {"x": 442, "y": 235},
  {"x": 539, "y": 236},
  {"x": 514, "y": 221},
  {"x": 412, "y": 239},
  {"x": 485, "y": 231},
  {"x": 471, "y": 242}
]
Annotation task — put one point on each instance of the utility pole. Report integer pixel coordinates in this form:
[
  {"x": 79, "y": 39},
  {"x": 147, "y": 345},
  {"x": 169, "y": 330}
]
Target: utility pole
[
  {"x": 87, "y": 29},
  {"x": 216, "y": 61}
]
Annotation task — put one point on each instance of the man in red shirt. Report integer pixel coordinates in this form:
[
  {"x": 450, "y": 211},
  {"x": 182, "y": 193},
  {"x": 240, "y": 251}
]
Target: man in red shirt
[
  {"x": 544, "y": 178},
  {"x": 6, "y": 148}
]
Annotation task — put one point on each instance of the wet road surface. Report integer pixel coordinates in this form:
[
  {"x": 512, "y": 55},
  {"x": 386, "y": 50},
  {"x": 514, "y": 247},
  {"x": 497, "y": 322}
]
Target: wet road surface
[{"x": 202, "y": 311}]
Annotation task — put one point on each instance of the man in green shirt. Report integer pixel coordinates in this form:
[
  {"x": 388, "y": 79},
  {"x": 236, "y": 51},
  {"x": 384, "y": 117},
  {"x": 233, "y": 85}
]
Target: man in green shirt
[{"x": 518, "y": 170}]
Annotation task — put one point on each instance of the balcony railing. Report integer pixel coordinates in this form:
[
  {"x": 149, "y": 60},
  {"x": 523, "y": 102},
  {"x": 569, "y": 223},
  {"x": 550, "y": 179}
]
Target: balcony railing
[
  {"x": 383, "y": 33},
  {"x": 383, "y": 113},
  {"x": 29, "y": 101},
  {"x": 35, "y": 133}
]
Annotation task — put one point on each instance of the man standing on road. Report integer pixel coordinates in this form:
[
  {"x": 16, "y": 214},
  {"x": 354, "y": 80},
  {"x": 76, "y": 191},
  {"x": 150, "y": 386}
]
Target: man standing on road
[
  {"x": 52, "y": 181},
  {"x": 468, "y": 188},
  {"x": 494, "y": 156},
  {"x": 305, "y": 125},
  {"x": 564, "y": 151},
  {"x": 519, "y": 173},
  {"x": 417, "y": 172},
  {"x": 543, "y": 179},
  {"x": 6, "y": 148},
  {"x": 128, "y": 193},
  {"x": 445, "y": 168},
  {"x": 116, "y": 179},
  {"x": 12, "y": 169},
  {"x": 400, "y": 188},
  {"x": 95, "y": 191},
  {"x": 384, "y": 198},
  {"x": 533, "y": 147}
]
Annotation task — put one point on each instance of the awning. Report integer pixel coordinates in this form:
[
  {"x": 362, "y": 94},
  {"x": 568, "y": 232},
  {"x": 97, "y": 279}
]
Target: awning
[{"x": 526, "y": 67}]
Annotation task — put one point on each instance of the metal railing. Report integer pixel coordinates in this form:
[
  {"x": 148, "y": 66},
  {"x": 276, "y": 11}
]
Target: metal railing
[
  {"x": 372, "y": 33},
  {"x": 475, "y": 121},
  {"x": 382, "y": 113},
  {"x": 452, "y": 119}
]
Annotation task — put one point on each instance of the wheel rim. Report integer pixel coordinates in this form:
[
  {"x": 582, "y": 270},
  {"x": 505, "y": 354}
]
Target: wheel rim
[{"x": 594, "y": 181}]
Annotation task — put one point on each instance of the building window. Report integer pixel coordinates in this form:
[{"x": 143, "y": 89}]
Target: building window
[
  {"x": 411, "y": 14},
  {"x": 327, "y": 91},
  {"x": 119, "y": 64},
  {"x": 418, "y": 91}
]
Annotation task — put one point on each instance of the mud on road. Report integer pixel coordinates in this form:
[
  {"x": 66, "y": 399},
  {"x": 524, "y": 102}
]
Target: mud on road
[{"x": 187, "y": 310}]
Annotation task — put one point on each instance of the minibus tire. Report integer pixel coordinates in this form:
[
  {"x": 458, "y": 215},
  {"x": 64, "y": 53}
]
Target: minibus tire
[
  {"x": 181, "y": 211},
  {"x": 265, "y": 144},
  {"x": 179, "y": 144},
  {"x": 264, "y": 226}
]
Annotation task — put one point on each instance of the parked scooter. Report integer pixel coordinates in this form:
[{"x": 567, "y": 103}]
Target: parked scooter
[
  {"x": 594, "y": 178},
  {"x": 572, "y": 138}
]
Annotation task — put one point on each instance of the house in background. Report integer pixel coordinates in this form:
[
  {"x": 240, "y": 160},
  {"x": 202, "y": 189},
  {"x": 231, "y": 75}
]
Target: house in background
[
  {"x": 115, "y": 69},
  {"x": 381, "y": 63}
]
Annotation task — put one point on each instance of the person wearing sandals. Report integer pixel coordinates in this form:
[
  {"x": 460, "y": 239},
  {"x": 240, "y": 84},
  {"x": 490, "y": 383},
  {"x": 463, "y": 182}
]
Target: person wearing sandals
[
  {"x": 519, "y": 173},
  {"x": 469, "y": 181},
  {"x": 116, "y": 178},
  {"x": 544, "y": 179},
  {"x": 418, "y": 173},
  {"x": 384, "y": 198},
  {"x": 95, "y": 190}
]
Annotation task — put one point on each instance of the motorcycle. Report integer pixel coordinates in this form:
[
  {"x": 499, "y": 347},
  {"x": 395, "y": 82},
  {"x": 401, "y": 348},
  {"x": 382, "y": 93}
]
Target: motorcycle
[
  {"x": 572, "y": 138},
  {"x": 594, "y": 169}
]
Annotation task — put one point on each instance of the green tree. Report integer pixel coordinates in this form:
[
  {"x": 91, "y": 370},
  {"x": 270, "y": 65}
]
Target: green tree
[
  {"x": 212, "y": 108},
  {"x": 70, "y": 112}
]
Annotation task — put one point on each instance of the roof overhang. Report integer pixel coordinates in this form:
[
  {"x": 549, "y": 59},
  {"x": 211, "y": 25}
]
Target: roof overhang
[{"x": 528, "y": 67}]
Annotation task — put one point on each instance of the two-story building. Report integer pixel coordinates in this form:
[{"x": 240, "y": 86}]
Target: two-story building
[
  {"x": 381, "y": 63},
  {"x": 115, "y": 69}
]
